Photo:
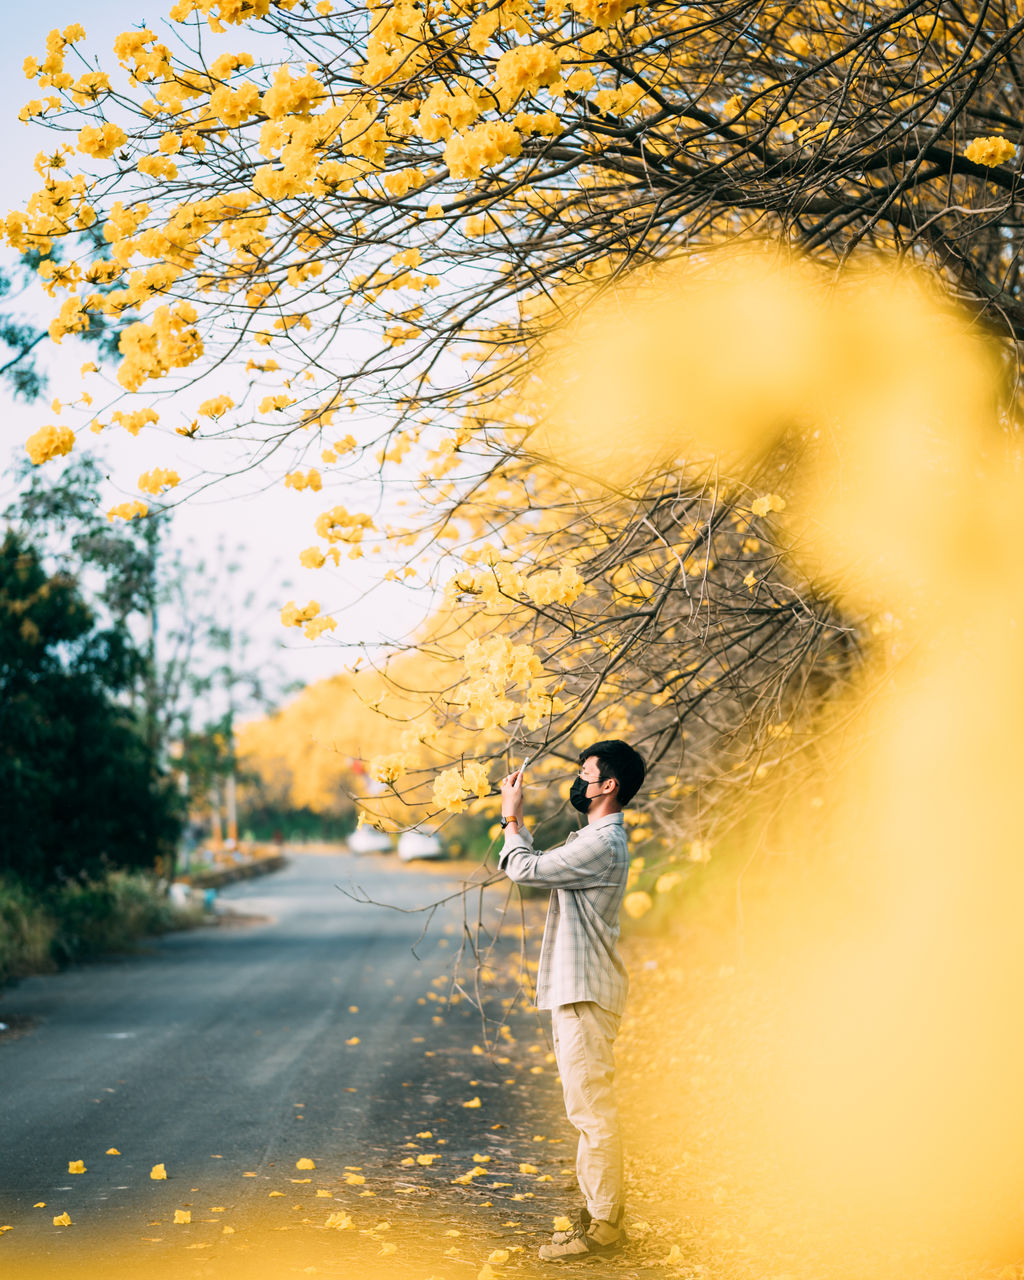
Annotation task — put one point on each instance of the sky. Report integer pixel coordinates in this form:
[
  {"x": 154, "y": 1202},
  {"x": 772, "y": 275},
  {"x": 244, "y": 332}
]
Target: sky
[{"x": 270, "y": 526}]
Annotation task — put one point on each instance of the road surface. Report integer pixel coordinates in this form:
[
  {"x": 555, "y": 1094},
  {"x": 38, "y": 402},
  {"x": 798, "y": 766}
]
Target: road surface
[{"x": 319, "y": 1032}]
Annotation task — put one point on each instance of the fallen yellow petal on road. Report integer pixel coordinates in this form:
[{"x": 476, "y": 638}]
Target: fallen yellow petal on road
[
  {"x": 62, "y": 1220},
  {"x": 158, "y": 1173},
  {"x": 76, "y": 1166},
  {"x": 305, "y": 1163},
  {"x": 112, "y": 1151},
  {"x": 182, "y": 1216}
]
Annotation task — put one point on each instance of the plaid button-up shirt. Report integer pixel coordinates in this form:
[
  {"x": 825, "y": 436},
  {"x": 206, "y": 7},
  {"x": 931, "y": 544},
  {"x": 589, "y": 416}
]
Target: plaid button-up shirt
[{"x": 579, "y": 959}]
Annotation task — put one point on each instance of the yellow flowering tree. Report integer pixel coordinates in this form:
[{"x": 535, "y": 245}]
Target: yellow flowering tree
[{"x": 380, "y": 212}]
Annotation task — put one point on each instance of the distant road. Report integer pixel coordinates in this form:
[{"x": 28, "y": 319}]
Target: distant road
[{"x": 225, "y": 1051}]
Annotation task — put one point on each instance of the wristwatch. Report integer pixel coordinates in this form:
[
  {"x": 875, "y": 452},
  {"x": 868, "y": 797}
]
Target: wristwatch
[{"x": 505, "y": 821}]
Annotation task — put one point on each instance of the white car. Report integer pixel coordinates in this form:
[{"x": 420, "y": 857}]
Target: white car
[
  {"x": 420, "y": 842},
  {"x": 369, "y": 840}
]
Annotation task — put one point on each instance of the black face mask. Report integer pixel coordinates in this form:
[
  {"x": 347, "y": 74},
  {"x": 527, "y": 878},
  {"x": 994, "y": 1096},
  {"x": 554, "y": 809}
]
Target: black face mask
[{"x": 578, "y": 797}]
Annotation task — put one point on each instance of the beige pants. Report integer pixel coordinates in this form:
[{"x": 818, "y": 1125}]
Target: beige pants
[{"x": 583, "y": 1035}]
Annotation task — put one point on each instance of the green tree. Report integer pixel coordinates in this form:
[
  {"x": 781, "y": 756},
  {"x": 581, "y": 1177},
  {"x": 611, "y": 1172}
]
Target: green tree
[
  {"x": 21, "y": 338},
  {"x": 81, "y": 786}
]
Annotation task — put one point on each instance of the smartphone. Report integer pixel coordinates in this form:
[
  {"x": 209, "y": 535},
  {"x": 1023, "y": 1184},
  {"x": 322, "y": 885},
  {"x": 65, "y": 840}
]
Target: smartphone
[{"x": 523, "y": 765}]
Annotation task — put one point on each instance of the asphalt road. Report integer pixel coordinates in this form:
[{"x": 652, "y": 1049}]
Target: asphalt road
[{"x": 321, "y": 1031}]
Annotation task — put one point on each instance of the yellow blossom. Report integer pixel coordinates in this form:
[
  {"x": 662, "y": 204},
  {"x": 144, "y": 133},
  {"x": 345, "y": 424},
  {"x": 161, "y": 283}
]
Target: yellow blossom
[
  {"x": 216, "y": 407},
  {"x": 103, "y": 141},
  {"x": 129, "y": 511},
  {"x": 311, "y": 480},
  {"x": 157, "y": 480},
  {"x": 525, "y": 69},
  {"x": 770, "y": 502},
  {"x": 481, "y": 147},
  {"x": 293, "y": 616},
  {"x": 49, "y": 442},
  {"x": 637, "y": 904},
  {"x": 990, "y": 151}
]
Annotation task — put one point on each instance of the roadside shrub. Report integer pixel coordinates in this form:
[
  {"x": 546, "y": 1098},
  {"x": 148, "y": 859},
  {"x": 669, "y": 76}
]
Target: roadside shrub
[
  {"x": 93, "y": 917},
  {"x": 41, "y": 930},
  {"x": 26, "y": 932}
]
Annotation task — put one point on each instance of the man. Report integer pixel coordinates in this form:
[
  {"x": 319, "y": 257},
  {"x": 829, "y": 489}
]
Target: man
[{"x": 581, "y": 977}]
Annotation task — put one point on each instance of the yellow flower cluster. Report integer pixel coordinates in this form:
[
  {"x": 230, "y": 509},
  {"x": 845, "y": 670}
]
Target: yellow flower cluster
[
  {"x": 544, "y": 122},
  {"x": 90, "y": 87},
  {"x": 216, "y": 407},
  {"x": 496, "y": 582},
  {"x": 233, "y": 107},
  {"x": 157, "y": 480},
  {"x": 311, "y": 480},
  {"x": 990, "y": 151},
  {"x": 293, "y": 616},
  {"x": 49, "y": 442},
  {"x": 445, "y": 110},
  {"x": 135, "y": 421},
  {"x": 339, "y": 525},
  {"x": 219, "y": 12},
  {"x": 128, "y": 510},
  {"x": 150, "y": 349},
  {"x": 453, "y": 787},
  {"x": 555, "y": 586},
  {"x": 307, "y": 618},
  {"x": 601, "y": 13},
  {"x": 397, "y": 42},
  {"x": 637, "y": 904},
  {"x": 770, "y": 502},
  {"x": 101, "y": 141},
  {"x": 388, "y": 769},
  {"x": 157, "y": 166},
  {"x": 290, "y": 95},
  {"x": 494, "y": 665},
  {"x": 481, "y": 147},
  {"x": 522, "y": 71},
  {"x": 72, "y": 318}
]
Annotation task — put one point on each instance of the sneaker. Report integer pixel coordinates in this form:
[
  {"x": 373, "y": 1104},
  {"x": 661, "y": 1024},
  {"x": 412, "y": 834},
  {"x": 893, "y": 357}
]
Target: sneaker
[
  {"x": 580, "y": 1220},
  {"x": 598, "y": 1239}
]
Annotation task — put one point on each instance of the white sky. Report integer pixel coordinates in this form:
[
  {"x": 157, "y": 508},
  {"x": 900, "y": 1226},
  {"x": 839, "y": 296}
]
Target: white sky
[{"x": 272, "y": 526}]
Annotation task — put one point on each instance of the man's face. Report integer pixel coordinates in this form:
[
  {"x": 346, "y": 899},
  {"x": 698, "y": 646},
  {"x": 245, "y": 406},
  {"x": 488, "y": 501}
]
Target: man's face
[{"x": 590, "y": 772}]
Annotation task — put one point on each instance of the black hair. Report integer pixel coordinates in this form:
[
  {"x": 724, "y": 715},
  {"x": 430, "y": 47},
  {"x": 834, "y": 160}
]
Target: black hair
[{"x": 617, "y": 759}]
